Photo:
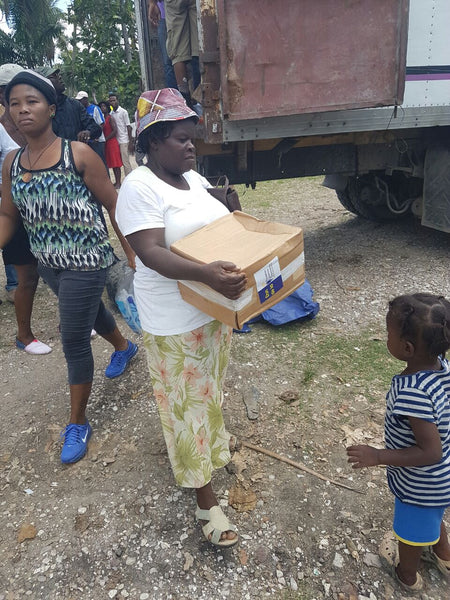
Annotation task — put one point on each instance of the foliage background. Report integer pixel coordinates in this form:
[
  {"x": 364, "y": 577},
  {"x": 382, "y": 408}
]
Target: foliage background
[{"x": 94, "y": 43}]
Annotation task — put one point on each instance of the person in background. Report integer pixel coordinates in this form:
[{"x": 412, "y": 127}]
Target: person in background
[
  {"x": 66, "y": 185},
  {"x": 182, "y": 43},
  {"x": 112, "y": 150},
  {"x": 6, "y": 145},
  {"x": 71, "y": 121},
  {"x": 20, "y": 263},
  {"x": 124, "y": 132},
  {"x": 187, "y": 350},
  {"x": 94, "y": 111},
  {"x": 157, "y": 17},
  {"x": 417, "y": 432}
]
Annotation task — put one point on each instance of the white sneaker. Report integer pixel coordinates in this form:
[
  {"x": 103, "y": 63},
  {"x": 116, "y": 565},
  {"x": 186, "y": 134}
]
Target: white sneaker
[{"x": 34, "y": 347}]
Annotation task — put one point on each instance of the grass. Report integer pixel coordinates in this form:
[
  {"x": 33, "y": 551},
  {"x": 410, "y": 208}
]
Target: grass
[
  {"x": 268, "y": 193},
  {"x": 326, "y": 368}
]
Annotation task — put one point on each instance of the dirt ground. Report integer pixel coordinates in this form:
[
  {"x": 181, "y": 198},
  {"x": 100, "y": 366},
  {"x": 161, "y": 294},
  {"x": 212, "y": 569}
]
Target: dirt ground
[{"x": 114, "y": 525}]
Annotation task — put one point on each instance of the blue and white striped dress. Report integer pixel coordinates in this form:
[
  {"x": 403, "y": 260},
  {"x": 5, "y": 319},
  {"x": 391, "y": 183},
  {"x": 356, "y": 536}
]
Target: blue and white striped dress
[{"x": 424, "y": 395}]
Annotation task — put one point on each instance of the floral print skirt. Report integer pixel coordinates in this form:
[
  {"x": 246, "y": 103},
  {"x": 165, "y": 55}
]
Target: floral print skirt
[{"x": 187, "y": 372}]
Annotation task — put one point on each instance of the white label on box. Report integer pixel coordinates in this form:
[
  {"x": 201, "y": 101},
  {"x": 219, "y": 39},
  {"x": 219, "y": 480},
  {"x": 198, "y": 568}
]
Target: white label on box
[
  {"x": 268, "y": 273},
  {"x": 268, "y": 280}
]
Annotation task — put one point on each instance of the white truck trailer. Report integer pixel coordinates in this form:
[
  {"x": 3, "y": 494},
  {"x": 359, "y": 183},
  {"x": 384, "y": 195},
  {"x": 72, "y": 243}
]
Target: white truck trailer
[{"x": 358, "y": 91}]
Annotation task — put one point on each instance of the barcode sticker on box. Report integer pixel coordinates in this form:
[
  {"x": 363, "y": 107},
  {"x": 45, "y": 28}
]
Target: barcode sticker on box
[{"x": 268, "y": 280}]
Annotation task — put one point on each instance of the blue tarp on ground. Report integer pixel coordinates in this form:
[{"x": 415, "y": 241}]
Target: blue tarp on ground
[{"x": 299, "y": 305}]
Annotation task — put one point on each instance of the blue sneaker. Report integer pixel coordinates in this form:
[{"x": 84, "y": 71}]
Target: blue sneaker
[
  {"x": 120, "y": 360},
  {"x": 76, "y": 438}
]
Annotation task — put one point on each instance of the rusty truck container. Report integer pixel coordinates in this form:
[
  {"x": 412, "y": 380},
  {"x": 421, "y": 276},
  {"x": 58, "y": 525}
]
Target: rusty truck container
[{"x": 268, "y": 60}]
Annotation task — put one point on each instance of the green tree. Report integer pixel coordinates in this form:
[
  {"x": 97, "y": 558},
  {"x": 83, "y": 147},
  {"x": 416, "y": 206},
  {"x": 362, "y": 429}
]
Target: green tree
[
  {"x": 101, "y": 55},
  {"x": 35, "y": 26}
]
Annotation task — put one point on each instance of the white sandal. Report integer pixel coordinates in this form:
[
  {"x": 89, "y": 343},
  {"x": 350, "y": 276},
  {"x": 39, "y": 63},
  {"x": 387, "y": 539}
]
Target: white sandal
[
  {"x": 430, "y": 556},
  {"x": 388, "y": 551},
  {"x": 216, "y": 525}
]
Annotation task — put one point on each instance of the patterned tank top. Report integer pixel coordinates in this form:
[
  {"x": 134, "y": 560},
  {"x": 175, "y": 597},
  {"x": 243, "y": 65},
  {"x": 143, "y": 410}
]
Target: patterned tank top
[{"x": 64, "y": 222}]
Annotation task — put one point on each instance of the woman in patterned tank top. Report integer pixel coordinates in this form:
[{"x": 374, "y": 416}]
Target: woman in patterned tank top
[{"x": 58, "y": 188}]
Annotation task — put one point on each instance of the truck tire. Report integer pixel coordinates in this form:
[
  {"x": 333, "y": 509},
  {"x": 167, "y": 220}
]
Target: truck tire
[
  {"x": 344, "y": 199},
  {"x": 436, "y": 190},
  {"x": 364, "y": 198}
]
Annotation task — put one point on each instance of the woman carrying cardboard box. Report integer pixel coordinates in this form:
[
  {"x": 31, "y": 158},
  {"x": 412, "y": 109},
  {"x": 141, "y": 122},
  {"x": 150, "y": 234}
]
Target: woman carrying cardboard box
[{"x": 187, "y": 350}]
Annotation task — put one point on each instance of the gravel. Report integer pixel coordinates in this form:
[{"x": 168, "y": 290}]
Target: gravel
[{"x": 115, "y": 525}]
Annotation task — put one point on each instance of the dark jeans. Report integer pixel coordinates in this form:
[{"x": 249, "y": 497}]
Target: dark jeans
[
  {"x": 99, "y": 148},
  {"x": 169, "y": 75},
  {"x": 80, "y": 310}
]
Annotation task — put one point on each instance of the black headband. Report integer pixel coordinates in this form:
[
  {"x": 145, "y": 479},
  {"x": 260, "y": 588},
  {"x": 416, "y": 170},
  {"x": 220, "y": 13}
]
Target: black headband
[{"x": 28, "y": 77}]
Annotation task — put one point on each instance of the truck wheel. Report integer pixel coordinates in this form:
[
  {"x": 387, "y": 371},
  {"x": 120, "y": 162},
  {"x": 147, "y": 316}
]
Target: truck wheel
[
  {"x": 344, "y": 199},
  {"x": 367, "y": 197}
]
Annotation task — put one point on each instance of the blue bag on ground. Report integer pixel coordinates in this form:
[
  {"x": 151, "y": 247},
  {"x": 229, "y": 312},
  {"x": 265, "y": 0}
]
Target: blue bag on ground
[
  {"x": 124, "y": 298},
  {"x": 299, "y": 305}
]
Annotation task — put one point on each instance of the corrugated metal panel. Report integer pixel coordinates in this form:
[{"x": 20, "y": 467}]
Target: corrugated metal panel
[{"x": 300, "y": 56}]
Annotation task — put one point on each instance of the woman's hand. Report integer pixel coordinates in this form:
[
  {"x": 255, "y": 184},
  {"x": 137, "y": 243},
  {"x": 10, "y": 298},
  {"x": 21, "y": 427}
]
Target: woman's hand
[
  {"x": 362, "y": 456},
  {"x": 226, "y": 278}
]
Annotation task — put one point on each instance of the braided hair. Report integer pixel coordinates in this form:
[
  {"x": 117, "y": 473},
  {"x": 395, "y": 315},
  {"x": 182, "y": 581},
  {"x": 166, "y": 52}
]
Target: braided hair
[{"x": 423, "y": 317}]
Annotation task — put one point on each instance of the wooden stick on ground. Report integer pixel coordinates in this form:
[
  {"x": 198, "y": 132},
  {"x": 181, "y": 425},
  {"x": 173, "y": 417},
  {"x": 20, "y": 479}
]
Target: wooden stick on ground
[{"x": 297, "y": 465}]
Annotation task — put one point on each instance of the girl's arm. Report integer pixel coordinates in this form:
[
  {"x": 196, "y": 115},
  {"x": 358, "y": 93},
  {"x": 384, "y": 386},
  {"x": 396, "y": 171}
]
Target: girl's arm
[
  {"x": 224, "y": 277},
  {"x": 94, "y": 174},
  {"x": 9, "y": 215},
  {"x": 426, "y": 451}
]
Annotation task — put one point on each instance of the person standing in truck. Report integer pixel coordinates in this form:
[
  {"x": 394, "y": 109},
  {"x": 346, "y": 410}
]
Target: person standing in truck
[{"x": 182, "y": 43}]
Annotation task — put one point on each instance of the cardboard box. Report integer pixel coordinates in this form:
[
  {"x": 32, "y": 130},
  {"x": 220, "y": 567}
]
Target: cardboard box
[{"x": 271, "y": 254}]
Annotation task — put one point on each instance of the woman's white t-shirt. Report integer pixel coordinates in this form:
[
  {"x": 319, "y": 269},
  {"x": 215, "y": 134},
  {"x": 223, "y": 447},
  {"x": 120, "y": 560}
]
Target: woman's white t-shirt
[{"x": 147, "y": 202}]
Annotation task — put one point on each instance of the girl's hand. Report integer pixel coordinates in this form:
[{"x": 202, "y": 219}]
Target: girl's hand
[
  {"x": 362, "y": 456},
  {"x": 226, "y": 278}
]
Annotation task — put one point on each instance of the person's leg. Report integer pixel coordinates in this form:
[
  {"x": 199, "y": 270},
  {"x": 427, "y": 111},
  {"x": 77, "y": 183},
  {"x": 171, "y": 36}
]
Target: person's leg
[
  {"x": 79, "y": 297},
  {"x": 206, "y": 499},
  {"x": 117, "y": 176},
  {"x": 408, "y": 565},
  {"x": 195, "y": 434},
  {"x": 11, "y": 278},
  {"x": 125, "y": 158},
  {"x": 442, "y": 548},
  {"x": 124, "y": 350},
  {"x": 169, "y": 75},
  {"x": 23, "y": 301},
  {"x": 11, "y": 283},
  {"x": 195, "y": 68},
  {"x": 17, "y": 252},
  {"x": 178, "y": 43},
  {"x": 115, "y": 338},
  {"x": 101, "y": 153}
]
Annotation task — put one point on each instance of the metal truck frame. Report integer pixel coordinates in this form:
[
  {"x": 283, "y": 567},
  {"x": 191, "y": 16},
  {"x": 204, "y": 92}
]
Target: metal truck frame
[{"x": 386, "y": 154}]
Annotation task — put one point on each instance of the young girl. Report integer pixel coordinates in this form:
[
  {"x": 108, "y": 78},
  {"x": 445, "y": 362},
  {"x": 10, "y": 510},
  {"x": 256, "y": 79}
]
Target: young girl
[
  {"x": 417, "y": 432},
  {"x": 58, "y": 188}
]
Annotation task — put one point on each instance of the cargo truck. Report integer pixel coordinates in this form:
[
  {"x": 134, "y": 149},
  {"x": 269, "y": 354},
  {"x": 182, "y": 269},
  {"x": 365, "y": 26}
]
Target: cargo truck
[{"x": 356, "y": 90}]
